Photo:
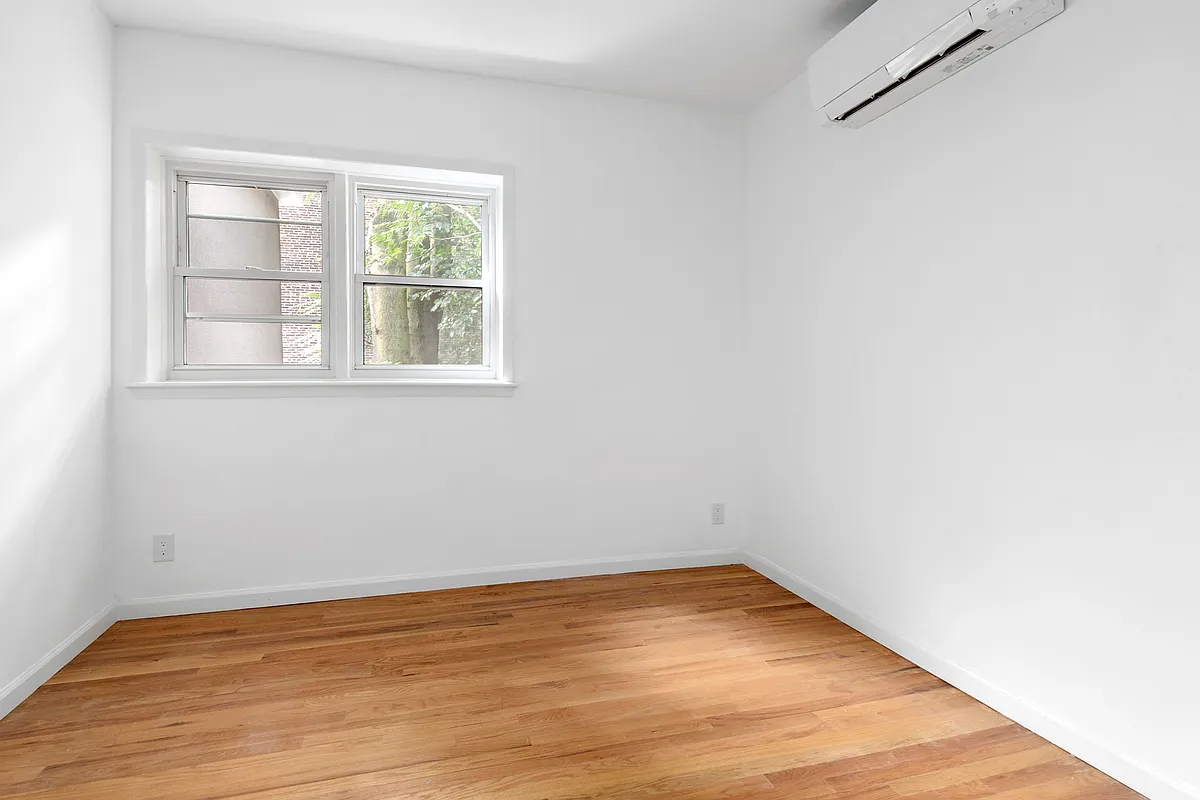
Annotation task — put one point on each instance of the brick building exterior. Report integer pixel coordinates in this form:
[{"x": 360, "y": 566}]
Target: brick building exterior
[{"x": 301, "y": 250}]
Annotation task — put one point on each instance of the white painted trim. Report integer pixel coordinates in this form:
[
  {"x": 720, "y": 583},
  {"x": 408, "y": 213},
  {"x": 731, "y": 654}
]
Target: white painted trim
[
  {"x": 144, "y": 607},
  {"x": 1128, "y": 771},
  {"x": 320, "y": 387},
  {"x": 31, "y": 679}
]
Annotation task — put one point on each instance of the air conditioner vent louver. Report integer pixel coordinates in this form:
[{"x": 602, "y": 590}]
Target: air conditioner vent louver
[{"x": 954, "y": 48}]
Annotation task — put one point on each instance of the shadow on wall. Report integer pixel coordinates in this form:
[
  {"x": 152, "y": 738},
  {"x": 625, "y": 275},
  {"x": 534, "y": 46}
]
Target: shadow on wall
[{"x": 53, "y": 438}]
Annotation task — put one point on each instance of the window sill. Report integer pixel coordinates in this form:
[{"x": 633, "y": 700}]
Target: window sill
[{"x": 321, "y": 388}]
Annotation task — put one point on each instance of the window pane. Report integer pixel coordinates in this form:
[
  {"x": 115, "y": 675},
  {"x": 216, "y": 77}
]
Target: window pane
[
  {"x": 236, "y": 201},
  {"x": 251, "y": 343},
  {"x": 301, "y": 344},
  {"x": 229, "y": 244},
  {"x": 248, "y": 201},
  {"x": 414, "y": 237},
  {"x": 409, "y": 325},
  {"x": 219, "y": 296},
  {"x": 236, "y": 244}
]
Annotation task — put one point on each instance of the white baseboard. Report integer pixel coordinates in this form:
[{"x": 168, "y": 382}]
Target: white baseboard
[
  {"x": 144, "y": 607},
  {"x": 1132, "y": 773},
  {"x": 28, "y": 681}
]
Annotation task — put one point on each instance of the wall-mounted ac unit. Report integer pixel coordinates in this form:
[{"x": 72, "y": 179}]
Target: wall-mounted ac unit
[{"x": 899, "y": 48}]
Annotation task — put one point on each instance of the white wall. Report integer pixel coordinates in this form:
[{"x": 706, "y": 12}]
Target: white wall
[
  {"x": 980, "y": 319},
  {"x": 973, "y": 327},
  {"x": 55, "y": 223},
  {"x": 628, "y": 245}
]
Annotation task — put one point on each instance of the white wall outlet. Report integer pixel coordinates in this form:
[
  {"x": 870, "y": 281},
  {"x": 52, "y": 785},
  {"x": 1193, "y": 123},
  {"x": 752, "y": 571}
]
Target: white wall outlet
[
  {"x": 718, "y": 513},
  {"x": 164, "y": 547}
]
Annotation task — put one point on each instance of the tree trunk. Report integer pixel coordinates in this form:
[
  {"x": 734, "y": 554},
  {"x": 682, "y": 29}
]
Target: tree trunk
[
  {"x": 424, "y": 331},
  {"x": 423, "y": 320},
  {"x": 389, "y": 309}
]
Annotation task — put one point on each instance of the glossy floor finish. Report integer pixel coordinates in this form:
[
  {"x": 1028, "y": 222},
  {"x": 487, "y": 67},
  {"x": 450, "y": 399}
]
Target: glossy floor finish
[{"x": 689, "y": 684}]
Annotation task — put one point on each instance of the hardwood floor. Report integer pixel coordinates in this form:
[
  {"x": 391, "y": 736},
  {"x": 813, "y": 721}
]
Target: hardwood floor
[{"x": 690, "y": 685}]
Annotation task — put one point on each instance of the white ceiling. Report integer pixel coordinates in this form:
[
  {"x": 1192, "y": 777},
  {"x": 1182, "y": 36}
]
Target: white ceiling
[{"x": 728, "y": 53}]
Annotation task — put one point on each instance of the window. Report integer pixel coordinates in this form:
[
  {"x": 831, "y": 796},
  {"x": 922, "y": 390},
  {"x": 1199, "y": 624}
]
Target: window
[
  {"x": 331, "y": 275},
  {"x": 252, "y": 270},
  {"x": 421, "y": 274}
]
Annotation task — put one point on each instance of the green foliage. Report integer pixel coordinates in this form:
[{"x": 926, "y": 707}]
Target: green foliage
[{"x": 424, "y": 326}]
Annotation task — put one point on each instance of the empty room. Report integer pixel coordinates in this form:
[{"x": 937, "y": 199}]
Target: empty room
[{"x": 600, "y": 399}]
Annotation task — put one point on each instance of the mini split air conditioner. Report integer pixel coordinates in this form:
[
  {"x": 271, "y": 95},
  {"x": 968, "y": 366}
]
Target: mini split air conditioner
[{"x": 899, "y": 48}]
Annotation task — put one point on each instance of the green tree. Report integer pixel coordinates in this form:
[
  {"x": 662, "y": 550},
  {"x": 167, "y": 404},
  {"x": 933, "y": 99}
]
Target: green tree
[{"x": 406, "y": 325}]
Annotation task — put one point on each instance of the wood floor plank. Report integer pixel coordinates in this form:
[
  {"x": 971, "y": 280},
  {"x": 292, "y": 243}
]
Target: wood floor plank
[{"x": 699, "y": 684}]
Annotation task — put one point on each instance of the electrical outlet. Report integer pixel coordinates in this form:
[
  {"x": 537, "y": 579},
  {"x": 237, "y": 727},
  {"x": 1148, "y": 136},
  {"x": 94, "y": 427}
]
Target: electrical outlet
[
  {"x": 718, "y": 513},
  {"x": 164, "y": 547}
]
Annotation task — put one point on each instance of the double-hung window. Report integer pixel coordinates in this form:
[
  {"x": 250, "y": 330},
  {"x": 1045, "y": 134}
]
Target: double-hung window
[
  {"x": 252, "y": 276},
  {"x": 422, "y": 274},
  {"x": 332, "y": 275}
]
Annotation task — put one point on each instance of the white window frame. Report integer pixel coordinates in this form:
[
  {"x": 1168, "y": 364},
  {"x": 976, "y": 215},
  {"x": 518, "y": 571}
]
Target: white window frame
[
  {"x": 364, "y": 186},
  {"x": 342, "y": 278},
  {"x": 180, "y": 174}
]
